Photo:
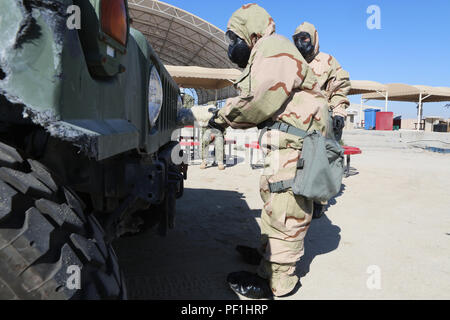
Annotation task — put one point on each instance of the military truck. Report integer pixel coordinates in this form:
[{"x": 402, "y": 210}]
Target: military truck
[{"x": 86, "y": 152}]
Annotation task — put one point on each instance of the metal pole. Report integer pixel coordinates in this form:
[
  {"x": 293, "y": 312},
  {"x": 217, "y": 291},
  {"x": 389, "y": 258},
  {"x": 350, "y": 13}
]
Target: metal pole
[
  {"x": 387, "y": 99},
  {"x": 419, "y": 116},
  {"x": 360, "y": 112}
]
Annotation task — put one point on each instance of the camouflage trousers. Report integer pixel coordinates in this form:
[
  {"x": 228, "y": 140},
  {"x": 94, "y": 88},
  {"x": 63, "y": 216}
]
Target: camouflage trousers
[
  {"x": 210, "y": 136},
  {"x": 285, "y": 220}
]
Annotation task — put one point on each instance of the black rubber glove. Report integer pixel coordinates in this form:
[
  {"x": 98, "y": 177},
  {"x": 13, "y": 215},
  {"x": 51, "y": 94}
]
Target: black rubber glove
[
  {"x": 338, "y": 125},
  {"x": 213, "y": 125}
]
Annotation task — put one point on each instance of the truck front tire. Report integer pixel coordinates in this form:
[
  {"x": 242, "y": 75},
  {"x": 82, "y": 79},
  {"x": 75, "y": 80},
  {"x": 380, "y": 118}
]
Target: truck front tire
[{"x": 50, "y": 249}]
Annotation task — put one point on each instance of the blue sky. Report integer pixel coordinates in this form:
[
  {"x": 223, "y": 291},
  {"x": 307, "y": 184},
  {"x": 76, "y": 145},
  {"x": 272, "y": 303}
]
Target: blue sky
[{"x": 413, "y": 45}]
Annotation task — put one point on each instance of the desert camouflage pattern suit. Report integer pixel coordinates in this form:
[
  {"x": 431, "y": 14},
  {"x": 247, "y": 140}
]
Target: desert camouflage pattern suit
[
  {"x": 277, "y": 84},
  {"x": 209, "y": 136},
  {"x": 333, "y": 80}
]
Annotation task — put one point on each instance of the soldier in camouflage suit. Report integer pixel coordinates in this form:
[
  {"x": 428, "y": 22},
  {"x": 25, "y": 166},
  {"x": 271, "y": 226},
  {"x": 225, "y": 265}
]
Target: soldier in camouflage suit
[
  {"x": 188, "y": 101},
  {"x": 333, "y": 81},
  {"x": 277, "y": 84},
  {"x": 209, "y": 136}
]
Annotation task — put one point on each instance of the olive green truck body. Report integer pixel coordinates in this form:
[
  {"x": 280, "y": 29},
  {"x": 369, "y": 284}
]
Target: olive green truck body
[{"x": 74, "y": 98}]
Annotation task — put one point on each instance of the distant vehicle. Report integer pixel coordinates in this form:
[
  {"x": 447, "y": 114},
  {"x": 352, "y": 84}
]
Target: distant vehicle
[{"x": 86, "y": 118}]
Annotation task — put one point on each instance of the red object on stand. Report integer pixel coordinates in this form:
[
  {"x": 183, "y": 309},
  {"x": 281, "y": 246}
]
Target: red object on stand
[
  {"x": 385, "y": 121},
  {"x": 348, "y": 152},
  {"x": 351, "y": 150}
]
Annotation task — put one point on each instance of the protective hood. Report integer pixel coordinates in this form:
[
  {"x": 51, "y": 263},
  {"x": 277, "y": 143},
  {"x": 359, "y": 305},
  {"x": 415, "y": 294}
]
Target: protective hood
[
  {"x": 309, "y": 28},
  {"x": 251, "y": 19}
]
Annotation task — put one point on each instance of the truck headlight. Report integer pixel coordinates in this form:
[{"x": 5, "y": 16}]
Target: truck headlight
[{"x": 155, "y": 96}]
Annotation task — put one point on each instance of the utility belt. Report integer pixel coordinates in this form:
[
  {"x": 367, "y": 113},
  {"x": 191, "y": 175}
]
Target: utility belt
[{"x": 319, "y": 170}]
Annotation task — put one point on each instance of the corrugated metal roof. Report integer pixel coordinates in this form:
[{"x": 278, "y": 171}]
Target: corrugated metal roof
[{"x": 183, "y": 39}]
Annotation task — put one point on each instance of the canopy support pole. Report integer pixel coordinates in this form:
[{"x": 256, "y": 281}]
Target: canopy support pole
[
  {"x": 386, "y": 103},
  {"x": 384, "y": 94},
  {"x": 419, "y": 112},
  {"x": 360, "y": 112}
]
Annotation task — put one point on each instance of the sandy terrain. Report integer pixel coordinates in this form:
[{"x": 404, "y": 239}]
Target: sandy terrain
[{"x": 393, "y": 213}]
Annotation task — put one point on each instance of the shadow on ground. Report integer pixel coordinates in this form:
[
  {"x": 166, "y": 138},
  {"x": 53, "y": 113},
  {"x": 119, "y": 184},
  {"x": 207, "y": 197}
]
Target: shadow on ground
[
  {"x": 333, "y": 201},
  {"x": 193, "y": 261},
  {"x": 323, "y": 237},
  {"x": 353, "y": 172}
]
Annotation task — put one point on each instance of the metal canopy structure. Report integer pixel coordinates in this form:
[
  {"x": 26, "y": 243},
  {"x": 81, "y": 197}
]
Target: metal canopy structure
[
  {"x": 182, "y": 39},
  {"x": 207, "y": 78},
  {"x": 407, "y": 93},
  {"x": 418, "y": 94},
  {"x": 365, "y": 86},
  {"x": 370, "y": 87}
]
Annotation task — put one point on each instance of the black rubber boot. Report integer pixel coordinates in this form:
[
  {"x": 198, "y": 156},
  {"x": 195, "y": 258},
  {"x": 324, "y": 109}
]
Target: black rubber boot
[
  {"x": 294, "y": 291},
  {"x": 250, "y": 255},
  {"x": 319, "y": 209},
  {"x": 249, "y": 285}
]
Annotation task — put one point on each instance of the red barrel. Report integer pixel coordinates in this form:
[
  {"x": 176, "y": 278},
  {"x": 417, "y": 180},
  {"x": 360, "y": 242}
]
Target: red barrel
[{"x": 385, "y": 121}]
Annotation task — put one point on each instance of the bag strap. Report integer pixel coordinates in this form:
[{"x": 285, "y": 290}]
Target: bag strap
[
  {"x": 286, "y": 128},
  {"x": 285, "y": 184},
  {"x": 280, "y": 186}
]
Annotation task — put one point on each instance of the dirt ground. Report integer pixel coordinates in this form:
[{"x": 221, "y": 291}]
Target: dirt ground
[{"x": 389, "y": 227}]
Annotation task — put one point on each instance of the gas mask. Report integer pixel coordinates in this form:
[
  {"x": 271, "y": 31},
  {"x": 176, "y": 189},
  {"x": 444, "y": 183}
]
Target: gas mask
[
  {"x": 304, "y": 44},
  {"x": 238, "y": 50}
]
